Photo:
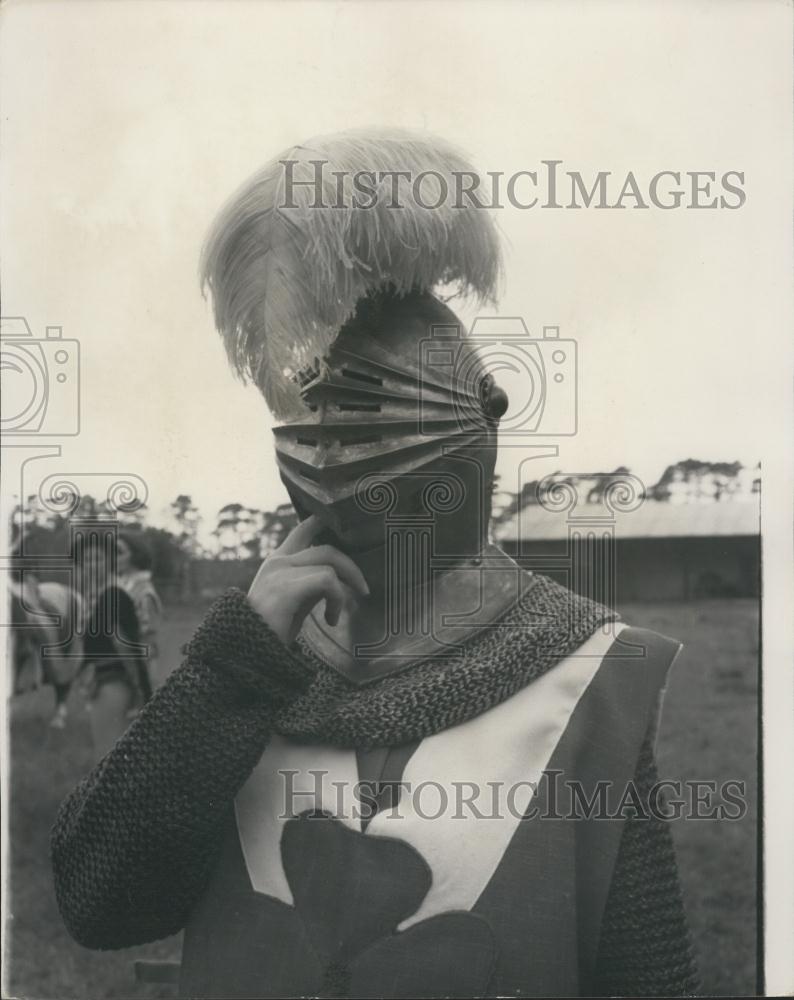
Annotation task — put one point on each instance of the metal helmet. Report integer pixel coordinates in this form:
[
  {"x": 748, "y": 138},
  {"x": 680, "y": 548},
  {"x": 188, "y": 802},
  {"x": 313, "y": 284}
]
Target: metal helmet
[
  {"x": 399, "y": 425},
  {"x": 388, "y": 421}
]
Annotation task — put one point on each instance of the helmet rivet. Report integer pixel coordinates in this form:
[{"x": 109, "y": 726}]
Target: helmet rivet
[
  {"x": 496, "y": 403},
  {"x": 493, "y": 399}
]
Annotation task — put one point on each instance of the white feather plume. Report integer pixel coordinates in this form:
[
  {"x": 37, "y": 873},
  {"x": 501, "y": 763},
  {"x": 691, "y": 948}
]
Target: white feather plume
[{"x": 284, "y": 279}]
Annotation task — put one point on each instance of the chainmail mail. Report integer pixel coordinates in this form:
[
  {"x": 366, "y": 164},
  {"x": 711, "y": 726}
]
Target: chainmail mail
[
  {"x": 547, "y": 624},
  {"x": 135, "y": 843}
]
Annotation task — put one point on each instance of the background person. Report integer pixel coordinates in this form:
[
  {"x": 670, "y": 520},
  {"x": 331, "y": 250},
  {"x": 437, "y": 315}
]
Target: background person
[
  {"x": 134, "y": 568},
  {"x": 114, "y": 673},
  {"x": 44, "y": 615}
]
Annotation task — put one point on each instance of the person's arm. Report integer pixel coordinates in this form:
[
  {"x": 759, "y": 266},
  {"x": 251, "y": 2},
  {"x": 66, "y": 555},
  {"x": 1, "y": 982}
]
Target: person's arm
[
  {"x": 150, "y": 615},
  {"x": 135, "y": 842},
  {"x": 645, "y": 948},
  {"x": 126, "y": 614}
]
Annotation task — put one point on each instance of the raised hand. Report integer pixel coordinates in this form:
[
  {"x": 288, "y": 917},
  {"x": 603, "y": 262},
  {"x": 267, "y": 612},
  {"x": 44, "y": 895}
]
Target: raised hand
[{"x": 298, "y": 575}]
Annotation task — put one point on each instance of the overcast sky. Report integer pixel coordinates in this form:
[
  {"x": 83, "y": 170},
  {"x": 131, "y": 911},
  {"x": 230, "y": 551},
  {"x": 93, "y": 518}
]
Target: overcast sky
[{"x": 125, "y": 125}]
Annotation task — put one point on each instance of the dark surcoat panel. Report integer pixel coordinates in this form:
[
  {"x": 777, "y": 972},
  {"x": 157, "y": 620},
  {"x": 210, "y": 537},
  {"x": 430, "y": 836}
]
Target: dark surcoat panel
[{"x": 484, "y": 873}]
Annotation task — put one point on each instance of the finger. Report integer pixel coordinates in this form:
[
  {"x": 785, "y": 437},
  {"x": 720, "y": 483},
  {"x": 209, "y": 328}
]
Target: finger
[
  {"x": 322, "y": 583},
  {"x": 306, "y": 587},
  {"x": 300, "y": 536},
  {"x": 327, "y": 555}
]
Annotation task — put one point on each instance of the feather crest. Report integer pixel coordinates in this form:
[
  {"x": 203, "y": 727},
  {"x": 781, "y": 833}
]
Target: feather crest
[{"x": 285, "y": 274}]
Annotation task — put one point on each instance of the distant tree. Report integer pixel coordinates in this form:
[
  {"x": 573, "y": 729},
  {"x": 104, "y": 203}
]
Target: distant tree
[
  {"x": 233, "y": 530},
  {"x": 249, "y": 533},
  {"x": 752, "y": 479},
  {"x": 32, "y": 539},
  {"x": 33, "y": 513},
  {"x": 279, "y": 524},
  {"x": 132, "y": 515},
  {"x": 252, "y": 534},
  {"x": 603, "y": 482},
  {"x": 187, "y": 520},
  {"x": 589, "y": 488},
  {"x": 87, "y": 507},
  {"x": 501, "y": 499},
  {"x": 169, "y": 560},
  {"x": 511, "y": 504},
  {"x": 695, "y": 481}
]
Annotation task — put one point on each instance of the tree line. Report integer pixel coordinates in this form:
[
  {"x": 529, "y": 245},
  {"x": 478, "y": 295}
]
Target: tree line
[{"x": 245, "y": 533}]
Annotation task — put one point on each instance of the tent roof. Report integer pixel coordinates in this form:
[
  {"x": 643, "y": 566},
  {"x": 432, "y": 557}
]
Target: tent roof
[{"x": 653, "y": 519}]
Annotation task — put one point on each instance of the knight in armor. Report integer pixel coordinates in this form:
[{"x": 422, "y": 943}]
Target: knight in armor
[{"x": 358, "y": 782}]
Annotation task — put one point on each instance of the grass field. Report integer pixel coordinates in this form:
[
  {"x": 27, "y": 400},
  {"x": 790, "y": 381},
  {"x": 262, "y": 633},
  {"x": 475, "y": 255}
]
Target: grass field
[{"x": 708, "y": 732}]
